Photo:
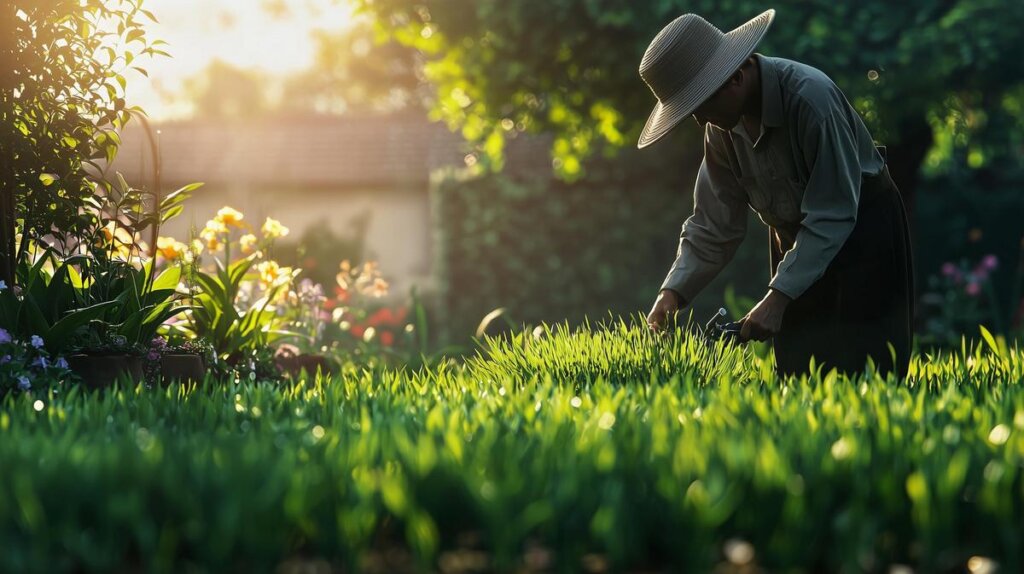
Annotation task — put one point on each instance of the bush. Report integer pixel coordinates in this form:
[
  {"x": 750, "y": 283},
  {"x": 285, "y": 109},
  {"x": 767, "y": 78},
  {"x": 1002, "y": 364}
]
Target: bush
[{"x": 556, "y": 451}]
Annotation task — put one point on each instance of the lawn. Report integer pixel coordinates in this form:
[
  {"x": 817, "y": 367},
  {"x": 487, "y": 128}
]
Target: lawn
[{"x": 589, "y": 450}]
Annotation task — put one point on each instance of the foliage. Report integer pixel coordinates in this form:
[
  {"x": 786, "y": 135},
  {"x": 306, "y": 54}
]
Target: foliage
[
  {"x": 500, "y": 68},
  {"x": 25, "y": 365},
  {"x": 94, "y": 290},
  {"x": 959, "y": 221},
  {"x": 61, "y": 102},
  {"x": 46, "y": 305},
  {"x": 234, "y": 298},
  {"x": 963, "y": 295},
  {"x": 553, "y": 452},
  {"x": 356, "y": 324},
  {"x": 320, "y": 249}
]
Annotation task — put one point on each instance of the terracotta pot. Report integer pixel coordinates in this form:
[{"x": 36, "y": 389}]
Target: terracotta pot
[
  {"x": 184, "y": 368},
  {"x": 293, "y": 365},
  {"x": 101, "y": 371}
]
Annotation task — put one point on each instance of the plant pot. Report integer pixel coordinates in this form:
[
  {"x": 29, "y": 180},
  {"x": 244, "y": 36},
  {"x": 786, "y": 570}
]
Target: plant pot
[
  {"x": 101, "y": 371},
  {"x": 183, "y": 368},
  {"x": 293, "y": 365}
]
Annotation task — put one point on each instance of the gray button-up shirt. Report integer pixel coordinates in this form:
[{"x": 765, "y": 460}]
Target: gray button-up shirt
[{"x": 801, "y": 175}]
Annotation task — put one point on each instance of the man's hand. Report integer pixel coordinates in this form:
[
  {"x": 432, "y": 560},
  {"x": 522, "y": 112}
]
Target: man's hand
[
  {"x": 666, "y": 306},
  {"x": 765, "y": 319}
]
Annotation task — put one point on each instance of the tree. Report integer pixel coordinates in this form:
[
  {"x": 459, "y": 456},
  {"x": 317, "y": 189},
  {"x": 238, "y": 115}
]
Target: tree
[
  {"x": 356, "y": 71},
  {"x": 570, "y": 66},
  {"x": 61, "y": 100}
]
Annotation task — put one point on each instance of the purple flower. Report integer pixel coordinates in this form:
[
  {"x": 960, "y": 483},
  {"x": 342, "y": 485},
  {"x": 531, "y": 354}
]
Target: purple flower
[
  {"x": 5, "y": 359},
  {"x": 23, "y": 383},
  {"x": 158, "y": 343},
  {"x": 153, "y": 355},
  {"x": 989, "y": 262},
  {"x": 40, "y": 362},
  {"x": 948, "y": 269},
  {"x": 61, "y": 363},
  {"x": 3, "y": 285},
  {"x": 37, "y": 341},
  {"x": 973, "y": 288},
  {"x": 5, "y": 337}
]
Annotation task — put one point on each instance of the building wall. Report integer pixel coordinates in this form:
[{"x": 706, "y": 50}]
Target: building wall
[{"x": 397, "y": 234}]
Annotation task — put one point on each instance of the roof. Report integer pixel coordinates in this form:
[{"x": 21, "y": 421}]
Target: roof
[{"x": 310, "y": 151}]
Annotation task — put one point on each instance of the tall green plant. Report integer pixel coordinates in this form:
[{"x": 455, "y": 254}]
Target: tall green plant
[{"x": 62, "y": 87}]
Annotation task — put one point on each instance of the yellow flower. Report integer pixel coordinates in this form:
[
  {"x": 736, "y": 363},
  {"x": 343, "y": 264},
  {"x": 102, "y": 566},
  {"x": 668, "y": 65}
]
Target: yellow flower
[
  {"x": 228, "y": 216},
  {"x": 272, "y": 229},
  {"x": 211, "y": 238},
  {"x": 247, "y": 242},
  {"x": 170, "y": 248},
  {"x": 272, "y": 274}
]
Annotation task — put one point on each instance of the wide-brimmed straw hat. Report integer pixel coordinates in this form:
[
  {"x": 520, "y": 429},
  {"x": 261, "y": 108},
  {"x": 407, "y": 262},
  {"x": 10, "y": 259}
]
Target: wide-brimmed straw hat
[{"x": 688, "y": 61}]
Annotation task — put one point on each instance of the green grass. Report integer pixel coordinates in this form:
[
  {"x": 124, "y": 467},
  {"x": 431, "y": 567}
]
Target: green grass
[{"x": 573, "y": 450}]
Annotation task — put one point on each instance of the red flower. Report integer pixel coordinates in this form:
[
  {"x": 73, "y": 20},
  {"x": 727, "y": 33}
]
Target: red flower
[
  {"x": 387, "y": 338},
  {"x": 357, "y": 331}
]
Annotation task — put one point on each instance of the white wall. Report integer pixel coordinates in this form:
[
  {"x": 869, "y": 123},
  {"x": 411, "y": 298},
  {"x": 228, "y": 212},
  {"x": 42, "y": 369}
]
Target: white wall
[{"x": 397, "y": 236}]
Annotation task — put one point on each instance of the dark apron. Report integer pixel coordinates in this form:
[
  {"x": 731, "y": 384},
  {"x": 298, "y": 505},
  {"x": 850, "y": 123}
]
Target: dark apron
[{"x": 865, "y": 299}]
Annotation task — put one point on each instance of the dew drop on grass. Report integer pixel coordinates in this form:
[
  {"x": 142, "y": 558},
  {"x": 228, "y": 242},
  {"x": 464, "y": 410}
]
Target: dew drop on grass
[
  {"x": 999, "y": 434},
  {"x": 738, "y": 552},
  {"x": 981, "y": 565},
  {"x": 576, "y": 402}
]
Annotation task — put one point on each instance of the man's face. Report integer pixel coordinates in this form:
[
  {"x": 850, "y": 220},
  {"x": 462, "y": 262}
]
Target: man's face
[{"x": 724, "y": 107}]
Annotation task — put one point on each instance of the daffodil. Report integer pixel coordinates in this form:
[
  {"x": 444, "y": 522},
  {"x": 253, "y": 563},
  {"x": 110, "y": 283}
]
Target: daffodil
[
  {"x": 272, "y": 229},
  {"x": 247, "y": 242},
  {"x": 272, "y": 274},
  {"x": 229, "y": 216},
  {"x": 170, "y": 248}
]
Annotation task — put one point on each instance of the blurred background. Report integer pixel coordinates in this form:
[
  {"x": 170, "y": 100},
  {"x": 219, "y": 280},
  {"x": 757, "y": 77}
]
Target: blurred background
[{"x": 483, "y": 152}]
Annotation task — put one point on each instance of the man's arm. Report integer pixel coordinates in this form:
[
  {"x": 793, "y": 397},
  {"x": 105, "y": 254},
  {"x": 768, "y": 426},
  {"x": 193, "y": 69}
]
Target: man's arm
[
  {"x": 710, "y": 237},
  {"x": 830, "y": 200}
]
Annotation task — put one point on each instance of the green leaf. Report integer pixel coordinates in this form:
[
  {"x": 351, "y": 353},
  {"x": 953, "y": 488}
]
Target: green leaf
[{"x": 990, "y": 340}]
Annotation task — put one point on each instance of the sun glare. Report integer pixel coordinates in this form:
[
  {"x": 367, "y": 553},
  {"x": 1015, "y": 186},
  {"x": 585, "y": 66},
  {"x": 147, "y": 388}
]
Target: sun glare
[{"x": 272, "y": 36}]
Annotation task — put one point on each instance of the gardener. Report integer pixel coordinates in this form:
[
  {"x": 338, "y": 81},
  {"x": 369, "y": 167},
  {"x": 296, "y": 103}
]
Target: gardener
[{"x": 780, "y": 137}]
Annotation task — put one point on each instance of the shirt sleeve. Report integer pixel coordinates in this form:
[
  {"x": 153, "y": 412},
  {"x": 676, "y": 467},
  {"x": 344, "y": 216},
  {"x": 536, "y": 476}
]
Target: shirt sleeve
[
  {"x": 829, "y": 205},
  {"x": 711, "y": 235}
]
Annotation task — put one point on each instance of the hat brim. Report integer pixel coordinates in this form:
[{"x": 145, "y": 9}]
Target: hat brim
[{"x": 736, "y": 47}]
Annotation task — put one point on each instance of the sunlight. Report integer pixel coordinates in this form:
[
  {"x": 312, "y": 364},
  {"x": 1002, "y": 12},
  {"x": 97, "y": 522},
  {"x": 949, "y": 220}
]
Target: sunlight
[{"x": 271, "y": 36}]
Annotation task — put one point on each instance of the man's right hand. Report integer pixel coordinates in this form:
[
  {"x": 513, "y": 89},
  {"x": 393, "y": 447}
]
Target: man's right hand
[{"x": 665, "y": 307}]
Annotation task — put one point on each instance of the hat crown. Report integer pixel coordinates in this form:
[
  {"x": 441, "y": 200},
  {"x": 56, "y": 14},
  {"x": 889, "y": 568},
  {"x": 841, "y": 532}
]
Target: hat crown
[{"x": 678, "y": 53}]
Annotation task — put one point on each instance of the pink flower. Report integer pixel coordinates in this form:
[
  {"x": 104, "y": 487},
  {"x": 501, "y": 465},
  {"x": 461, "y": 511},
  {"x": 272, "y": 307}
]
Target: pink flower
[
  {"x": 948, "y": 269},
  {"x": 973, "y": 288},
  {"x": 990, "y": 262}
]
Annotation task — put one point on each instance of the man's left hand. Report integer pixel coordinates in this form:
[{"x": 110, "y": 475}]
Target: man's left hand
[{"x": 765, "y": 319}]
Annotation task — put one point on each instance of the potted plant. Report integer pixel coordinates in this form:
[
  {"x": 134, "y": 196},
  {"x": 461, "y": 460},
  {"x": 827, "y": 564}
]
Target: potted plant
[
  {"x": 110, "y": 269},
  {"x": 184, "y": 361}
]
